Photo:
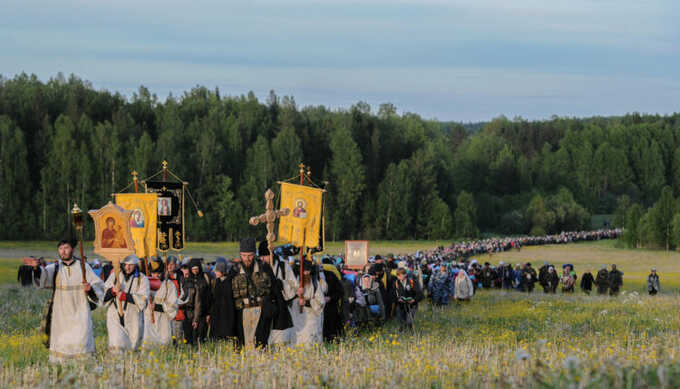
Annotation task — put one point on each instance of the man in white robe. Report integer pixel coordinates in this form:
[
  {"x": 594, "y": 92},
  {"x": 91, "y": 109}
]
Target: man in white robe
[
  {"x": 308, "y": 325},
  {"x": 132, "y": 293},
  {"x": 71, "y": 334},
  {"x": 158, "y": 317}
]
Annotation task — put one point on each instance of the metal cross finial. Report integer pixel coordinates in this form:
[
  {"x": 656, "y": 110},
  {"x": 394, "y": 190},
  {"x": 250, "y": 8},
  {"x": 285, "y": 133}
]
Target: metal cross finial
[{"x": 269, "y": 218}]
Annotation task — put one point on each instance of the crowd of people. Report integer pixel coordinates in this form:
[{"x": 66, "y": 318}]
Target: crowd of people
[{"x": 261, "y": 298}]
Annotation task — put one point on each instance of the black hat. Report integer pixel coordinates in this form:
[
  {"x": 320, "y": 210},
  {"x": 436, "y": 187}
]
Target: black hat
[
  {"x": 247, "y": 245},
  {"x": 377, "y": 257},
  {"x": 262, "y": 249}
]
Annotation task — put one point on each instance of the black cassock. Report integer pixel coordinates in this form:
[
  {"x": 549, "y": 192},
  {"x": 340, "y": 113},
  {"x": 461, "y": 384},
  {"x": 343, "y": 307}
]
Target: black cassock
[
  {"x": 222, "y": 312},
  {"x": 332, "y": 321}
]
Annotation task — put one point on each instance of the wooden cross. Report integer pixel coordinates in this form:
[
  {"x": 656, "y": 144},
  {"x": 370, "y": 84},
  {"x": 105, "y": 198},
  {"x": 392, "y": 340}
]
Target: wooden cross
[{"x": 269, "y": 217}]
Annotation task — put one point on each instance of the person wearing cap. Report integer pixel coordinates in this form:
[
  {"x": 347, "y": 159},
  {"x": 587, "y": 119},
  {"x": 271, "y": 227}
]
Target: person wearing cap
[
  {"x": 129, "y": 294},
  {"x": 69, "y": 331},
  {"x": 615, "y": 281},
  {"x": 158, "y": 317},
  {"x": 222, "y": 310},
  {"x": 602, "y": 280},
  {"x": 253, "y": 285},
  {"x": 653, "y": 284}
]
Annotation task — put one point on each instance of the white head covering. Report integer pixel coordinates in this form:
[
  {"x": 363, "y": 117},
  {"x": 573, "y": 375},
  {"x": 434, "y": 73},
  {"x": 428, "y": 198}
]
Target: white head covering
[{"x": 131, "y": 259}]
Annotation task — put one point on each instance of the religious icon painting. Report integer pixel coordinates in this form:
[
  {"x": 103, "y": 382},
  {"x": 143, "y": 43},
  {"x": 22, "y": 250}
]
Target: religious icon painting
[
  {"x": 112, "y": 231},
  {"x": 142, "y": 222},
  {"x": 137, "y": 219},
  {"x": 303, "y": 225},
  {"x": 356, "y": 254},
  {"x": 300, "y": 209},
  {"x": 164, "y": 206},
  {"x": 169, "y": 214}
]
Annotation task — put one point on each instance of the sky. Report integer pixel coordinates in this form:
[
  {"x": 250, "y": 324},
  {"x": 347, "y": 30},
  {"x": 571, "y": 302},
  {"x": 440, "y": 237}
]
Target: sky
[{"x": 452, "y": 60}]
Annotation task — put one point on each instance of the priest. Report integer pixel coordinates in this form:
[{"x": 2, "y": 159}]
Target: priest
[
  {"x": 131, "y": 291},
  {"x": 69, "y": 326}
]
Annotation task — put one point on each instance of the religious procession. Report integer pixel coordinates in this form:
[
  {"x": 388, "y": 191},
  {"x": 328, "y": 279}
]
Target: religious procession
[{"x": 278, "y": 292}]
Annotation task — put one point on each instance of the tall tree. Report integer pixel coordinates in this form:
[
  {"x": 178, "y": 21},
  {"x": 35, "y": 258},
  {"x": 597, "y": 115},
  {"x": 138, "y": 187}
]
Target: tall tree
[
  {"x": 465, "y": 216},
  {"x": 347, "y": 175}
]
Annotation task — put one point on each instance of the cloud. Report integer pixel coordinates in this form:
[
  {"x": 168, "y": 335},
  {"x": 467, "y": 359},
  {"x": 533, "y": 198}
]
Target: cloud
[{"x": 449, "y": 59}]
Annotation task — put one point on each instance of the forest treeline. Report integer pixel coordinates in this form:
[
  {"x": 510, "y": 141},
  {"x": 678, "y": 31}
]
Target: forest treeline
[{"x": 391, "y": 176}]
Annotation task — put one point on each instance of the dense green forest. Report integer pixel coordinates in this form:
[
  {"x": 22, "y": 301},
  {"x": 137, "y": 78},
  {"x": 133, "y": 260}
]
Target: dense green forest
[{"x": 392, "y": 176}]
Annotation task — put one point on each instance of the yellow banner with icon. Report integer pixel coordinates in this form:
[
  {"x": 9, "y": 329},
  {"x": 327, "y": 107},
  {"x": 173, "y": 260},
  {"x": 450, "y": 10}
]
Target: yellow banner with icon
[
  {"x": 144, "y": 207},
  {"x": 303, "y": 224}
]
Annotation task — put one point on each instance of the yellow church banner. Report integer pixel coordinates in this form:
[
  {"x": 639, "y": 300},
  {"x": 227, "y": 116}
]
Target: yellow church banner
[
  {"x": 302, "y": 225},
  {"x": 144, "y": 207}
]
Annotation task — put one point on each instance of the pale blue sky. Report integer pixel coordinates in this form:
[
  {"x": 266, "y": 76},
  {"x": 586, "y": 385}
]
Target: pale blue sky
[{"x": 450, "y": 60}]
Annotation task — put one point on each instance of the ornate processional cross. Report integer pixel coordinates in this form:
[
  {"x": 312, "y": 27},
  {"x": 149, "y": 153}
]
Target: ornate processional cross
[{"x": 269, "y": 217}]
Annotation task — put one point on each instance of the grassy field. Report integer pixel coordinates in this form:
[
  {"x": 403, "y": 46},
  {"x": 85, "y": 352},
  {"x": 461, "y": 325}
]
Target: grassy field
[
  {"x": 498, "y": 340},
  {"x": 230, "y": 249}
]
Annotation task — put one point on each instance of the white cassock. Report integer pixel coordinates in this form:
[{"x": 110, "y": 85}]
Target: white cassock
[
  {"x": 158, "y": 330},
  {"x": 290, "y": 286},
  {"x": 308, "y": 325},
  {"x": 128, "y": 334},
  {"x": 71, "y": 332}
]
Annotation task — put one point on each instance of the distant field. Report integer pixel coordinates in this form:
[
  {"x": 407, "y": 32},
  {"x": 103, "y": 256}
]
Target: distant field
[
  {"x": 226, "y": 249},
  {"x": 587, "y": 255}
]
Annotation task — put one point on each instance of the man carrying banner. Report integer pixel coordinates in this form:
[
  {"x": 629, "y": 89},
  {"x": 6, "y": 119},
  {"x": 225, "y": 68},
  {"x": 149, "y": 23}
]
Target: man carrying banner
[
  {"x": 253, "y": 289},
  {"x": 70, "y": 322},
  {"x": 132, "y": 292}
]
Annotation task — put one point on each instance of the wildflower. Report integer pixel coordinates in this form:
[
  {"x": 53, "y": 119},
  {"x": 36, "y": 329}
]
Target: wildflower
[{"x": 522, "y": 355}]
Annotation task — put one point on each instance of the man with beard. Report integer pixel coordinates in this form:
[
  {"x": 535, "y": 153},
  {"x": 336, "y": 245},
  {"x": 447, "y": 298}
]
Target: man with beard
[
  {"x": 602, "y": 280},
  {"x": 69, "y": 328},
  {"x": 131, "y": 291},
  {"x": 253, "y": 290}
]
